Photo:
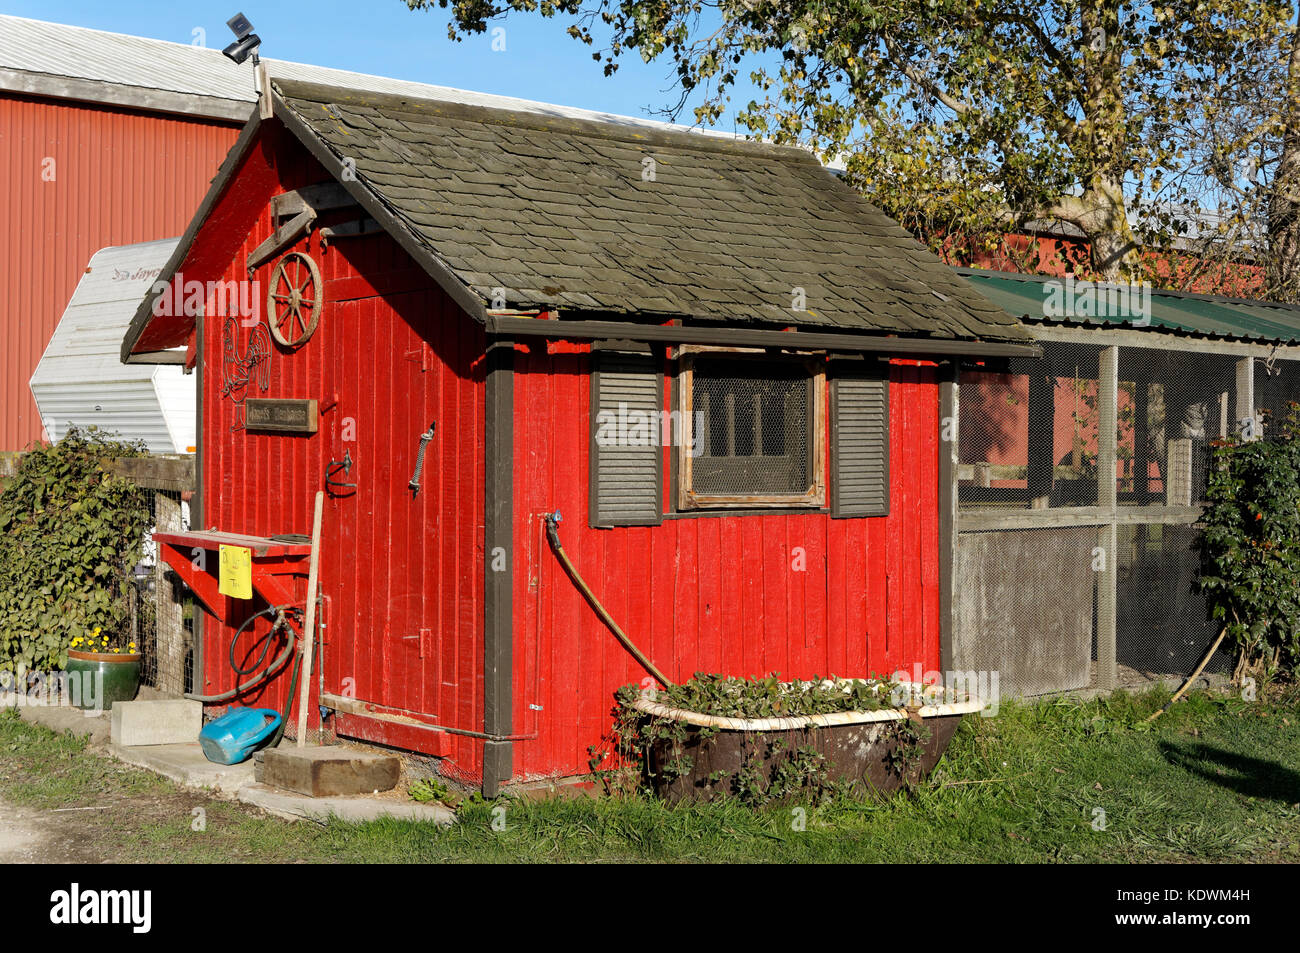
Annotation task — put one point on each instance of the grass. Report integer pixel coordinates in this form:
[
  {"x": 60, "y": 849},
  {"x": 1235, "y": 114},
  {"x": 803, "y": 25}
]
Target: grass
[{"x": 1214, "y": 780}]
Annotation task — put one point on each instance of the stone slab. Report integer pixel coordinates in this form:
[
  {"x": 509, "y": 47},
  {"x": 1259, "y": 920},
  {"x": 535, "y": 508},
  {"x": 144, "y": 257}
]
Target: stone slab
[
  {"x": 330, "y": 770},
  {"x": 355, "y": 810},
  {"x": 186, "y": 765}
]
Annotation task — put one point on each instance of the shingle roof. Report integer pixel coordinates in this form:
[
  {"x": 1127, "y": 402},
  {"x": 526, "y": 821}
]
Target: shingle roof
[{"x": 559, "y": 213}]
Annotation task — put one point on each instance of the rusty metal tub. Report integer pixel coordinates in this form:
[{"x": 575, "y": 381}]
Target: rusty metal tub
[{"x": 860, "y": 748}]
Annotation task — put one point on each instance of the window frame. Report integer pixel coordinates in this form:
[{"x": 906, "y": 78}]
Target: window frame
[{"x": 685, "y": 497}]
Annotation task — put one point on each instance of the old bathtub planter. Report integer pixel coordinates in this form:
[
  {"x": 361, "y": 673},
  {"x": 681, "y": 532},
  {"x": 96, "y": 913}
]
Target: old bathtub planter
[
  {"x": 103, "y": 678},
  {"x": 886, "y": 748}
]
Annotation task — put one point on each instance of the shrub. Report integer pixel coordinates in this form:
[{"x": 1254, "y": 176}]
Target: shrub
[
  {"x": 69, "y": 532},
  {"x": 1250, "y": 548}
]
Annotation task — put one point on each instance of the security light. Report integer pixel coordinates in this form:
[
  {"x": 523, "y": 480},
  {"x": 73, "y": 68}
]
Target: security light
[
  {"x": 246, "y": 41},
  {"x": 240, "y": 26}
]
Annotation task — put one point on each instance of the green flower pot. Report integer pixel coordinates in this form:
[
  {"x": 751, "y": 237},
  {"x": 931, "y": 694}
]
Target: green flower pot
[{"x": 102, "y": 678}]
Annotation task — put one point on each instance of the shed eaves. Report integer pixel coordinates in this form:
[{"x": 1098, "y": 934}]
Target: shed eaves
[
  {"x": 1211, "y": 316},
  {"x": 554, "y": 212}
]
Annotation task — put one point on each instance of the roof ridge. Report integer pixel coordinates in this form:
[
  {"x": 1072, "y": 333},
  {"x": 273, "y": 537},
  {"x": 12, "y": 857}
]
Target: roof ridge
[{"x": 667, "y": 133}]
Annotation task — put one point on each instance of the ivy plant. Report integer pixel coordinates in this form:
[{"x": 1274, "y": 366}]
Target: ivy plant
[
  {"x": 1250, "y": 548},
  {"x": 69, "y": 532}
]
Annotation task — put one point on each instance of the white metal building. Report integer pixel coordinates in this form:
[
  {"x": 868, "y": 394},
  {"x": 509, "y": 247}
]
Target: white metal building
[{"x": 80, "y": 378}]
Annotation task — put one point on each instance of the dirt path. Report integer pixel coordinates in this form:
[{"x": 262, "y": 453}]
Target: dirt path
[{"x": 30, "y": 836}]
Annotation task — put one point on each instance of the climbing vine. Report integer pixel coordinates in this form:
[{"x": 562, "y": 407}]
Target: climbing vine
[
  {"x": 69, "y": 531},
  {"x": 1250, "y": 548}
]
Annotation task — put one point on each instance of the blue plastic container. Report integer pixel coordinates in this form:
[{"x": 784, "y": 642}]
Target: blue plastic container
[{"x": 234, "y": 736}]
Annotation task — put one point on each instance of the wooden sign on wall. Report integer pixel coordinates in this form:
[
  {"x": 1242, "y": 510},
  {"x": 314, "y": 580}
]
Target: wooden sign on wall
[{"x": 284, "y": 415}]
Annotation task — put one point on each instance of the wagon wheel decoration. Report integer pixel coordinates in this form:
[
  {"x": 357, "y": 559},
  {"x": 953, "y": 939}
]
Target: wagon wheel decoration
[{"x": 294, "y": 300}]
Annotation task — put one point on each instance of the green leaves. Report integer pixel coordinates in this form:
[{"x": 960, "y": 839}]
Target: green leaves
[
  {"x": 69, "y": 533},
  {"x": 1250, "y": 548}
]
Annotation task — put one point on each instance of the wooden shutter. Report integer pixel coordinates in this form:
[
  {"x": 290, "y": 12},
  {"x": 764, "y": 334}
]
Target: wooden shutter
[
  {"x": 626, "y": 486},
  {"x": 860, "y": 439}
]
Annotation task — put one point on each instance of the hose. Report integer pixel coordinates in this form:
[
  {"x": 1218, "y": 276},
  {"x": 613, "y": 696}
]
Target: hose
[
  {"x": 553, "y": 537},
  {"x": 274, "y": 667},
  {"x": 288, "y": 699},
  {"x": 1191, "y": 678}
]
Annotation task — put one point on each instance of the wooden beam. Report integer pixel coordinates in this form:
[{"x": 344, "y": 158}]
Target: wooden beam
[
  {"x": 282, "y": 238},
  {"x": 498, "y": 566},
  {"x": 728, "y": 334},
  {"x": 1107, "y": 425},
  {"x": 975, "y": 520},
  {"x": 1108, "y": 536},
  {"x": 321, "y": 197},
  {"x": 1042, "y": 392}
]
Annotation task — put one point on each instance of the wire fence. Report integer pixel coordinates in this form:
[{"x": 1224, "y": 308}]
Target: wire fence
[
  {"x": 1081, "y": 478},
  {"x": 161, "y": 606}
]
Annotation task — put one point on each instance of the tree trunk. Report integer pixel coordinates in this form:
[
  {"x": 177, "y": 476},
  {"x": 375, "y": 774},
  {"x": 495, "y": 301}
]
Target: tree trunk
[
  {"x": 1102, "y": 214},
  {"x": 1283, "y": 268}
]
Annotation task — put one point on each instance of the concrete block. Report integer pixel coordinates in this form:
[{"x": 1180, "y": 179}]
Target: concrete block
[
  {"x": 330, "y": 771},
  {"x": 169, "y": 721}
]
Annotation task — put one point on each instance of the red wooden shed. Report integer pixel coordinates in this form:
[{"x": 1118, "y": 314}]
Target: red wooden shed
[{"x": 723, "y": 368}]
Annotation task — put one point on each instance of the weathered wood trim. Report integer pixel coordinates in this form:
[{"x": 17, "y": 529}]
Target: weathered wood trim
[
  {"x": 284, "y": 236},
  {"x": 1157, "y": 339},
  {"x": 498, "y": 529},
  {"x": 949, "y": 407},
  {"x": 1244, "y": 405},
  {"x": 814, "y": 498},
  {"x": 971, "y": 521},
  {"x": 1108, "y": 536},
  {"x": 172, "y": 472},
  {"x": 723, "y": 334},
  {"x": 321, "y": 197}
]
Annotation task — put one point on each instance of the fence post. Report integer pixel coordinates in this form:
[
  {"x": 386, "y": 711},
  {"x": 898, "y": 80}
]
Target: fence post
[
  {"x": 169, "y": 625},
  {"x": 1108, "y": 535}
]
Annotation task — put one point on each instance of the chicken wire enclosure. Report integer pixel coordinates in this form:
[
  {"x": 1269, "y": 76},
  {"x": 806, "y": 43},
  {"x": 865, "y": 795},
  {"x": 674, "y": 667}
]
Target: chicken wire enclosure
[
  {"x": 755, "y": 419},
  {"x": 1080, "y": 480},
  {"x": 1030, "y": 435},
  {"x": 1163, "y": 625},
  {"x": 161, "y": 606}
]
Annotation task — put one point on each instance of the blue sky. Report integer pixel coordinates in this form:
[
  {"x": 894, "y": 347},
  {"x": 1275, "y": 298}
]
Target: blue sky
[{"x": 384, "y": 37}]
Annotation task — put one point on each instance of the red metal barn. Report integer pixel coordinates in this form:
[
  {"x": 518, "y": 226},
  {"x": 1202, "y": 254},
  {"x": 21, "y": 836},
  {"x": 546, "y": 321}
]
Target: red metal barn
[{"x": 723, "y": 368}]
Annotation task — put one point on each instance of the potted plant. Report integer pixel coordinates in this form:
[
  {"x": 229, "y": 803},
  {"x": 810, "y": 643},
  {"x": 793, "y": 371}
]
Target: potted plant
[{"x": 105, "y": 669}]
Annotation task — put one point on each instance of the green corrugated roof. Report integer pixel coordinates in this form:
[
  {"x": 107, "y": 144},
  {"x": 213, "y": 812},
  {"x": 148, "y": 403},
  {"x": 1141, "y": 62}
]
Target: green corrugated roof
[{"x": 1262, "y": 322}]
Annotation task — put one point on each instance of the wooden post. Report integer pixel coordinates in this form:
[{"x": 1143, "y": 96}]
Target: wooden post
[
  {"x": 313, "y": 573},
  {"x": 170, "y": 626},
  {"x": 1042, "y": 426},
  {"x": 1245, "y": 398},
  {"x": 949, "y": 504},
  {"x": 1108, "y": 535}
]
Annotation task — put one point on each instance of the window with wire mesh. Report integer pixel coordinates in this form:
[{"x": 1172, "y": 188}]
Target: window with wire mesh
[{"x": 752, "y": 425}]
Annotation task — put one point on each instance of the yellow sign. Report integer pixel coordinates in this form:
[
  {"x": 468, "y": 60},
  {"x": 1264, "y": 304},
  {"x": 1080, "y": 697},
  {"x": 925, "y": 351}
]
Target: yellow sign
[{"x": 236, "y": 576}]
